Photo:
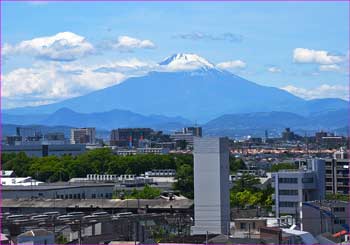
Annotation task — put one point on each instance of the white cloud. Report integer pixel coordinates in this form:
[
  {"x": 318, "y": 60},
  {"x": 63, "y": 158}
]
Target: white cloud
[
  {"x": 130, "y": 67},
  {"x": 274, "y": 69},
  {"x": 233, "y": 64},
  {"x": 53, "y": 82},
  {"x": 303, "y": 55},
  {"x": 126, "y": 43},
  {"x": 323, "y": 91},
  {"x": 332, "y": 67},
  {"x": 64, "y": 46}
]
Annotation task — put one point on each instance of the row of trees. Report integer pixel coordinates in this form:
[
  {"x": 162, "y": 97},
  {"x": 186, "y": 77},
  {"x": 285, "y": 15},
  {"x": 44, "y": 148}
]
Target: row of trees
[
  {"x": 103, "y": 161},
  {"x": 98, "y": 161}
]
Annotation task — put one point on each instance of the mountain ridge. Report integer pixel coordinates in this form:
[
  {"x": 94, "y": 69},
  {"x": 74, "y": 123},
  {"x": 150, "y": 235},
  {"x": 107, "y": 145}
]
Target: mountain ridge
[{"x": 200, "y": 93}]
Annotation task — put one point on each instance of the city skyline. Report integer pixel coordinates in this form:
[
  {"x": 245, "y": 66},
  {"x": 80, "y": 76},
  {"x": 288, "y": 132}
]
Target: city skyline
[{"x": 55, "y": 52}]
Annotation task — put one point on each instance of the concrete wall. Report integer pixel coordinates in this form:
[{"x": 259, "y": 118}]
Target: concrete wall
[
  {"x": 211, "y": 186},
  {"x": 83, "y": 192}
]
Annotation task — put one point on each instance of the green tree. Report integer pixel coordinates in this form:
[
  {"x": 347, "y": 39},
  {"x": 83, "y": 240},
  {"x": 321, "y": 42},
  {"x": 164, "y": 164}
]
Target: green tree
[
  {"x": 182, "y": 144},
  {"x": 236, "y": 164},
  {"x": 281, "y": 166},
  {"x": 337, "y": 197},
  {"x": 184, "y": 180},
  {"x": 245, "y": 193},
  {"x": 147, "y": 192},
  {"x": 246, "y": 182}
]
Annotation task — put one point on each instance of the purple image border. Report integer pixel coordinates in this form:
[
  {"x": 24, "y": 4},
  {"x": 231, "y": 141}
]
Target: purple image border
[{"x": 166, "y": 1}]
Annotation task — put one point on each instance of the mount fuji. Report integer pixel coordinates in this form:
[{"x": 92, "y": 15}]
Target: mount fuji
[{"x": 189, "y": 86}]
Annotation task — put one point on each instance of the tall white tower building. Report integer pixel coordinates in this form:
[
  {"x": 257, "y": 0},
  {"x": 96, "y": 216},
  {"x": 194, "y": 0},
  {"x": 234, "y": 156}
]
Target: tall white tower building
[{"x": 211, "y": 186}]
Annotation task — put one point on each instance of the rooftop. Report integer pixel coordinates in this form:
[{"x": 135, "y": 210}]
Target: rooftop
[
  {"x": 36, "y": 232},
  {"x": 102, "y": 203},
  {"x": 52, "y": 186}
]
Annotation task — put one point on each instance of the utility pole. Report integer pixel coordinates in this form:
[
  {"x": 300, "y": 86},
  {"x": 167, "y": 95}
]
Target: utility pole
[{"x": 79, "y": 233}]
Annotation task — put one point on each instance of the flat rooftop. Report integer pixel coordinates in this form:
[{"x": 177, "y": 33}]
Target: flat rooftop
[
  {"x": 101, "y": 203},
  {"x": 54, "y": 186}
]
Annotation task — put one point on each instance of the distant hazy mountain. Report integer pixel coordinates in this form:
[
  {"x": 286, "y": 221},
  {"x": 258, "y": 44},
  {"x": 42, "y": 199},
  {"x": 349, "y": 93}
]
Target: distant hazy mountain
[
  {"x": 103, "y": 120},
  {"x": 257, "y": 123},
  {"x": 189, "y": 86}
]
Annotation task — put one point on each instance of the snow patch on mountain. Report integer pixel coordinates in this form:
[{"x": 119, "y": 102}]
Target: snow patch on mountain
[{"x": 185, "y": 62}]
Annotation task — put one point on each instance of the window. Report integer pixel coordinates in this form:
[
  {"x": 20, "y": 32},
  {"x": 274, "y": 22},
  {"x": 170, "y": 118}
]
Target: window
[
  {"x": 93, "y": 196},
  {"x": 339, "y": 221},
  {"x": 288, "y": 204},
  {"x": 288, "y": 192},
  {"x": 288, "y": 180},
  {"x": 243, "y": 226},
  {"x": 308, "y": 180},
  {"x": 339, "y": 209}
]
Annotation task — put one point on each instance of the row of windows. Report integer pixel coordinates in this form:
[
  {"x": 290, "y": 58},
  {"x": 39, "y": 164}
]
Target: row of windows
[
  {"x": 289, "y": 204},
  {"x": 339, "y": 221},
  {"x": 339, "y": 209},
  {"x": 243, "y": 226},
  {"x": 288, "y": 180},
  {"x": 295, "y": 180},
  {"x": 288, "y": 192},
  {"x": 82, "y": 196},
  {"x": 308, "y": 180}
]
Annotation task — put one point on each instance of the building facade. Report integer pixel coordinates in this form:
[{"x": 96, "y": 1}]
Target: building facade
[
  {"x": 337, "y": 173},
  {"x": 211, "y": 186},
  {"x": 129, "y": 137},
  {"x": 83, "y": 136},
  {"x": 325, "y": 216},
  {"x": 40, "y": 150},
  {"x": 59, "y": 191},
  {"x": 293, "y": 187}
]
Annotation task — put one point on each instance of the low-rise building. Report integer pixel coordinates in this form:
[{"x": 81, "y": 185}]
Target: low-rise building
[
  {"x": 19, "y": 181},
  {"x": 325, "y": 216},
  {"x": 161, "y": 173},
  {"x": 129, "y": 137},
  {"x": 248, "y": 227},
  {"x": 83, "y": 136},
  {"x": 292, "y": 187},
  {"x": 42, "y": 150},
  {"x": 187, "y": 134},
  {"x": 59, "y": 191},
  {"x": 7, "y": 173},
  {"x": 36, "y": 236}
]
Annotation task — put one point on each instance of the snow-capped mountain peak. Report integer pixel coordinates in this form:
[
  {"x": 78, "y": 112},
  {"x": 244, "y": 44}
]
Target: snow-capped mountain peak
[{"x": 186, "y": 62}]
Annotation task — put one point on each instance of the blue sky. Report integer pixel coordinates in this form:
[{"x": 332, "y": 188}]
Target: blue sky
[{"x": 300, "y": 47}]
